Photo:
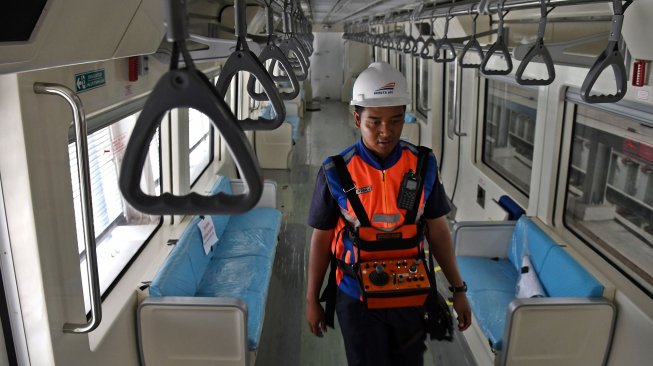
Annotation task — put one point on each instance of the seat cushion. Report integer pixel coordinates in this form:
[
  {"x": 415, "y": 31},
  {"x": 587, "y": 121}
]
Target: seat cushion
[
  {"x": 562, "y": 276},
  {"x": 184, "y": 268},
  {"x": 223, "y": 184},
  {"x": 258, "y": 218},
  {"x": 246, "y": 278},
  {"x": 528, "y": 238},
  {"x": 491, "y": 287}
]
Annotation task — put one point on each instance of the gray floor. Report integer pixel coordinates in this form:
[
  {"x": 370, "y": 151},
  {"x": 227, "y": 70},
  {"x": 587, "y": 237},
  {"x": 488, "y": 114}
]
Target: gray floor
[{"x": 286, "y": 339}]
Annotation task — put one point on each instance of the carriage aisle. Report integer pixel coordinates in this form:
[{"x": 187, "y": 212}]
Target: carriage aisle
[{"x": 286, "y": 339}]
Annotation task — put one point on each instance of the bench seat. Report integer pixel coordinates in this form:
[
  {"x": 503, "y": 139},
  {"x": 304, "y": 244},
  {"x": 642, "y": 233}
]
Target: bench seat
[
  {"x": 208, "y": 294},
  {"x": 489, "y": 257}
]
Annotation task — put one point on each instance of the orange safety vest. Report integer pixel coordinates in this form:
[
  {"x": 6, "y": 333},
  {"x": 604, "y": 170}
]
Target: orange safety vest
[{"x": 383, "y": 232}]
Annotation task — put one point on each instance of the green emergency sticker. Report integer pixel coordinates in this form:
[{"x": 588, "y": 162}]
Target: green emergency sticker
[{"x": 89, "y": 80}]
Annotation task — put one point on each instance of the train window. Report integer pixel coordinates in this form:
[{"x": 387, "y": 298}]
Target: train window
[
  {"x": 509, "y": 132},
  {"x": 422, "y": 86},
  {"x": 609, "y": 195},
  {"x": 200, "y": 143},
  {"x": 120, "y": 231}
]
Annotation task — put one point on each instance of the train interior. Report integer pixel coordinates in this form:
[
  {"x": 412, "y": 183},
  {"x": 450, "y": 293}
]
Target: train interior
[{"x": 133, "y": 130}]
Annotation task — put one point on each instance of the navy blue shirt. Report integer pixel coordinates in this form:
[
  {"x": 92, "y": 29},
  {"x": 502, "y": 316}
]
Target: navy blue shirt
[{"x": 324, "y": 211}]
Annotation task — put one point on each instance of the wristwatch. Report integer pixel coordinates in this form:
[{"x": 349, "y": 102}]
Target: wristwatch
[{"x": 462, "y": 288}]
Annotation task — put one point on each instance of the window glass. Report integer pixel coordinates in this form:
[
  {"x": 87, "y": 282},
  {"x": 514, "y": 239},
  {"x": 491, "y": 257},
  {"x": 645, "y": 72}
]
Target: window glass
[
  {"x": 422, "y": 85},
  {"x": 120, "y": 230},
  {"x": 609, "y": 199},
  {"x": 509, "y": 132},
  {"x": 200, "y": 140}
]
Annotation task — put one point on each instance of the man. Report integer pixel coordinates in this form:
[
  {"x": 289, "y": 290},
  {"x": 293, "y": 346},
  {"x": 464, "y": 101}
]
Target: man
[{"x": 378, "y": 166}]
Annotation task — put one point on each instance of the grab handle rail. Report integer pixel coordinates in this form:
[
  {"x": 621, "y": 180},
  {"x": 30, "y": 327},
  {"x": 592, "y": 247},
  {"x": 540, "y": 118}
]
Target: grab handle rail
[
  {"x": 187, "y": 88},
  {"x": 498, "y": 46},
  {"x": 445, "y": 45},
  {"x": 538, "y": 49},
  {"x": 472, "y": 44},
  {"x": 611, "y": 56},
  {"x": 294, "y": 55},
  {"x": 419, "y": 42},
  {"x": 245, "y": 60},
  {"x": 425, "y": 52},
  {"x": 84, "y": 176},
  {"x": 272, "y": 52},
  {"x": 290, "y": 48}
]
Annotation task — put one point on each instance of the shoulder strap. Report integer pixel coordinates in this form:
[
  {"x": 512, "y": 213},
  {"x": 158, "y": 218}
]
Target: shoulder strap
[
  {"x": 422, "y": 159},
  {"x": 350, "y": 190}
]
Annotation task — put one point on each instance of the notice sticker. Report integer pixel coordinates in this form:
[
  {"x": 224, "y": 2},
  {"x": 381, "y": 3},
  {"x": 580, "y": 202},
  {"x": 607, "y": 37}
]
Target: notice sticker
[
  {"x": 90, "y": 80},
  {"x": 642, "y": 94},
  {"x": 209, "y": 238}
]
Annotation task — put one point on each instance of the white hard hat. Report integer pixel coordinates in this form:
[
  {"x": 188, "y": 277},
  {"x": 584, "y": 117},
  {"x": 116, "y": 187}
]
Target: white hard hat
[{"x": 380, "y": 85}]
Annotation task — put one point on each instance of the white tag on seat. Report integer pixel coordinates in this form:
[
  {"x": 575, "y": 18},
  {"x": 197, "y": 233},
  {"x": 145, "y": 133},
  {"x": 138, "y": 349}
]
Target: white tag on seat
[
  {"x": 209, "y": 237},
  {"x": 529, "y": 284}
]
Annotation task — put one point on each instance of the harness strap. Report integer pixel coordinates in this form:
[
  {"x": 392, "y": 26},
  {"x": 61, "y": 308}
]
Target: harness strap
[
  {"x": 330, "y": 292},
  {"x": 389, "y": 244},
  {"x": 329, "y": 295},
  {"x": 350, "y": 190}
]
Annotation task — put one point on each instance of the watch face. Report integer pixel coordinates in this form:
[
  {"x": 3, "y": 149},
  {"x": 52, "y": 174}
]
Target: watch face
[{"x": 411, "y": 184}]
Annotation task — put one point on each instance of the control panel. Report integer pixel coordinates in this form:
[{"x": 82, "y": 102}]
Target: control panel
[{"x": 402, "y": 282}]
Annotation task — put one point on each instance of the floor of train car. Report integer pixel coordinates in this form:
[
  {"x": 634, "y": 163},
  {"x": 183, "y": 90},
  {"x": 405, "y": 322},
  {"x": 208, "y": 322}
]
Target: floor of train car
[{"x": 286, "y": 339}]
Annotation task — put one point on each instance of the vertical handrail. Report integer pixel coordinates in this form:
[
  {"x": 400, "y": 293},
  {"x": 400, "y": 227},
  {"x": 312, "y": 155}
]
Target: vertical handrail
[
  {"x": 84, "y": 177},
  {"x": 451, "y": 127}
]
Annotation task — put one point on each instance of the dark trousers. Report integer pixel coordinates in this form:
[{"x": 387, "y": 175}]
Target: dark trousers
[{"x": 380, "y": 337}]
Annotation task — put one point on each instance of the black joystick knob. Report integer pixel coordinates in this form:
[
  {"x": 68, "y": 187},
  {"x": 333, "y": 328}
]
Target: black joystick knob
[
  {"x": 412, "y": 269},
  {"x": 378, "y": 276}
]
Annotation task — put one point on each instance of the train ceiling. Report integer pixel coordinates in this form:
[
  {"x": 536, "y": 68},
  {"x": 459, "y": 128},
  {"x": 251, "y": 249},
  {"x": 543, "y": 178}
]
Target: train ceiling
[{"x": 337, "y": 11}]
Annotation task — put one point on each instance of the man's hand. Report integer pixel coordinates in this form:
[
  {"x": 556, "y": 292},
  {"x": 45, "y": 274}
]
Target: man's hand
[
  {"x": 463, "y": 311},
  {"x": 315, "y": 317}
]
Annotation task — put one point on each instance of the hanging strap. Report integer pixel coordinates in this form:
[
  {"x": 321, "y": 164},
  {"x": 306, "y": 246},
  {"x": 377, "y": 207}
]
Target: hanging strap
[{"x": 611, "y": 56}]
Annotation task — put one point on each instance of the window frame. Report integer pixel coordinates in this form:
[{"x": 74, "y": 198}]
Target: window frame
[
  {"x": 211, "y": 140},
  {"x": 96, "y": 123},
  {"x": 503, "y": 182},
  {"x": 624, "y": 108}
]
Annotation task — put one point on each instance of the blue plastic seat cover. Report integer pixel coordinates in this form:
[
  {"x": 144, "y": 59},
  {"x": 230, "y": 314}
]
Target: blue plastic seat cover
[{"x": 491, "y": 287}]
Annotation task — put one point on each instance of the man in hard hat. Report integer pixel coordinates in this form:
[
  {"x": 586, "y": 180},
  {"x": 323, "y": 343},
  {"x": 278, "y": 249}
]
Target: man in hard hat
[{"x": 375, "y": 201}]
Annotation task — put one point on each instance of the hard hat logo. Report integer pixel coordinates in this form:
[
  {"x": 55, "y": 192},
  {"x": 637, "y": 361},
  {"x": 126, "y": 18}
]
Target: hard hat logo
[
  {"x": 388, "y": 88},
  {"x": 392, "y": 92}
]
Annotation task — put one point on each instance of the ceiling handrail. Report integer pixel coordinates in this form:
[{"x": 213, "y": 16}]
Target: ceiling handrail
[{"x": 188, "y": 88}]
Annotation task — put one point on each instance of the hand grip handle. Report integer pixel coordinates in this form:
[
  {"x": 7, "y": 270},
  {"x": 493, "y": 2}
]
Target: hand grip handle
[
  {"x": 245, "y": 60},
  {"x": 190, "y": 89},
  {"x": 474, "y": 46},
  {"x": 609, "y": 57},
  {"x": 441, "y": 53},
  {"x": 292, "y": 54},
  {"x": 274, "y": 53},
  {"x": 425, "y": 53},
  {"x": 498, "y": 46},
  {"x": 538, "y": 49}
]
